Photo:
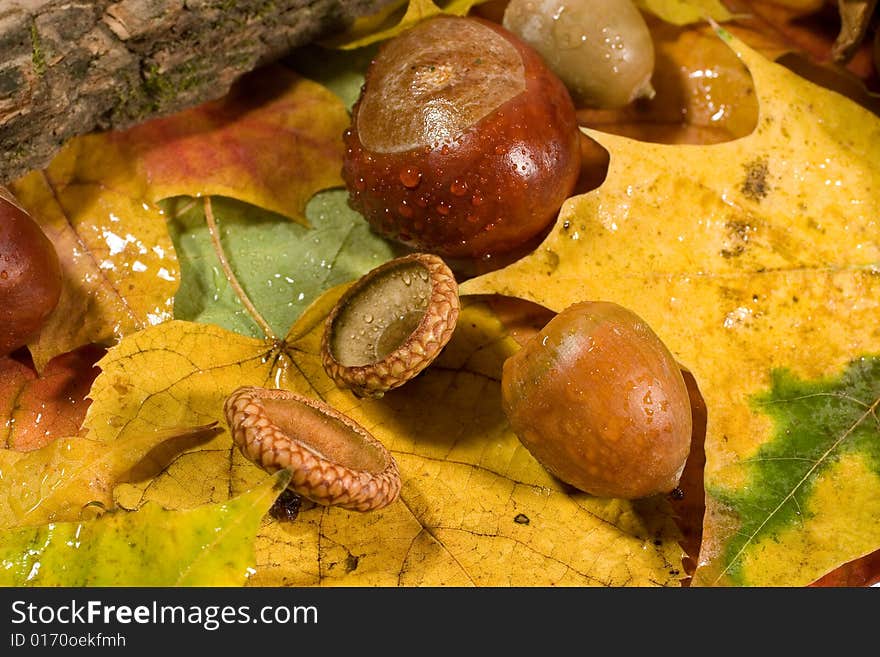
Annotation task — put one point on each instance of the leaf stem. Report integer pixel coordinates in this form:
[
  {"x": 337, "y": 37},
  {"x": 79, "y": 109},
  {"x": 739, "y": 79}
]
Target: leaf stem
[{"x": 230, "y": 276}]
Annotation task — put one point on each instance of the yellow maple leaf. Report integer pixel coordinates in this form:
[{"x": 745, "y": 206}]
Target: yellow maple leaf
[
  {"x": 59, "y": 481},
  {"x": 389, "y": 22},
  {"x": 749, "y": 258},
  {"x": 475, "y": 508},
  {"x": 682, "y": 12},
  {"x": 120, "y": 271}
]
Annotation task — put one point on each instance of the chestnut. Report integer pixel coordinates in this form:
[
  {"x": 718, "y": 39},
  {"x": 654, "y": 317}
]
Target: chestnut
[
  {"x": 462, "y": 143},
  {"x": 600, "y": 402},
  {"x": 30, "y": 275}
]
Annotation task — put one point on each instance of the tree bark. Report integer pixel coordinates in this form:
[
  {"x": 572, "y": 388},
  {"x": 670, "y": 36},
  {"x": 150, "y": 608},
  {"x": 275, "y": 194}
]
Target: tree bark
[{"x": 68, "y": 67}]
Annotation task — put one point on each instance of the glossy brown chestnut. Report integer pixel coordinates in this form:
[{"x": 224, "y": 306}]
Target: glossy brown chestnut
[
  {"x": 30, "y": 275},
  {"x": 600, "y": 402},
  {"x": 462, "y": 143}
]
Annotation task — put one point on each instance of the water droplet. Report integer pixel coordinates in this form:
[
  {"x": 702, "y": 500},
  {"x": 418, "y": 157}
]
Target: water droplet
[
  {"x": 458, "y": 188},
  {"x": 477, "y": 199},
  {"x": 407, "y": 279},
  {"x": 410, "y": 177},
  {"x": 368, "y": 318}
]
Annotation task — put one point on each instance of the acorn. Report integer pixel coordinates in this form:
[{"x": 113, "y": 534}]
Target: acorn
[
  {"x": 390, "y": 324},
  {"x": 333, "y": 460},
  {"x": 601, "y": 49},
  {"x": 600, "y": 402}
]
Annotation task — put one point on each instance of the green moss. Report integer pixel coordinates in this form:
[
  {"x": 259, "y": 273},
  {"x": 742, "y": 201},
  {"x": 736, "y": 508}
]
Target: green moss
[
  {"x": 38, "y": 57},
  {"x": 163, "y": 88}
]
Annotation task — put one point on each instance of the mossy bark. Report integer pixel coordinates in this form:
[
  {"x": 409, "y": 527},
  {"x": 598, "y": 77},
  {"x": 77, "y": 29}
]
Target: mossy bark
[{"x": 68, "y": 67}]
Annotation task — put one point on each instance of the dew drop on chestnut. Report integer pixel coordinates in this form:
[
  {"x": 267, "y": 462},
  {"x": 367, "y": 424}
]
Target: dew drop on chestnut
[
  {"x": 458, "y": 188},
  {"x": 410, "y": 177}
]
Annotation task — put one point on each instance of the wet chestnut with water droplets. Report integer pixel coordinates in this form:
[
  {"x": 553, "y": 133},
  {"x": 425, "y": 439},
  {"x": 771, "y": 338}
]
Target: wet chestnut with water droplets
[
  {"x": 30, "y": 275},
  {"x": 599, "y": 401},
  {"x": 462, "y": 143}
]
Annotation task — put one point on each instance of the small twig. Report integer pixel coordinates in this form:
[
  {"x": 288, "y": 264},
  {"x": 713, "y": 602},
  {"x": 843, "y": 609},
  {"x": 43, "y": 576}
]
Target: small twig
[
  {"x": 230, "y": 276},
  {"x": 189, "y": 205}
]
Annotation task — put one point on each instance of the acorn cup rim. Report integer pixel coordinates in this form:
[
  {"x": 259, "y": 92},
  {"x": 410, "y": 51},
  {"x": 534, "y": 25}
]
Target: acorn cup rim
[
  {"x": 443, "y": 290},
  {"x": 314, "y": 475}
]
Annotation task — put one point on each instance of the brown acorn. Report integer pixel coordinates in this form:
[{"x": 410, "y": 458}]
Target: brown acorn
[
  {"x": 600, "y": 402},
  {"x": 333, "y": 460},
  {"x": 390, "y": 324}
]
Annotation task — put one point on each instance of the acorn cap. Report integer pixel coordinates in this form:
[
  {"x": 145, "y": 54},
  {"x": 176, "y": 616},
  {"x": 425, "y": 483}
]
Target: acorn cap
[
  {"x": 391, "y": 324},
  {"x": 333, "y": 459}
]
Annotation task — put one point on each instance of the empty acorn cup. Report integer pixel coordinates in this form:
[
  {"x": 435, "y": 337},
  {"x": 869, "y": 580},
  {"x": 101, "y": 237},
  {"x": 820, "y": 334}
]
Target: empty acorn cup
[
  {"x": 390, "y": 324},
  {"x": 333, "y": 460}
]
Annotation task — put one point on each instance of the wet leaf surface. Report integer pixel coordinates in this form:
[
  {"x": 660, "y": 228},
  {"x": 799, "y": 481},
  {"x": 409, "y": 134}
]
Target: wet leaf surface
[
  {"x": 36, "y": 409},
  {"x": 272, "y": 142},
  {"x": 61, "y": 480},
  {"x": 466, "y": 478},
  {"x": 118, "y": 264},
  {"x": 742, "y": 259},
  {"x": 212, "y": 545},
  {"x": 283, "y": 266}
]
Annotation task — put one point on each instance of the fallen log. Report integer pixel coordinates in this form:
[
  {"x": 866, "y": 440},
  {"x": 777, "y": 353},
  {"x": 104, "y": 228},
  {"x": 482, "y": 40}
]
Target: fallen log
[{"x": 68, "y": 67}]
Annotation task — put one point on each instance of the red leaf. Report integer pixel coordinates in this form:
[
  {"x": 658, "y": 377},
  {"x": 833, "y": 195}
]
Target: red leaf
[
  {"x": 861, "y": 572},
  {"x": 34, "y": 410}
]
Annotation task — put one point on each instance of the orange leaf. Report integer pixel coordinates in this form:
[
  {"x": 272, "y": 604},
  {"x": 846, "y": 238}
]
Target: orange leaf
[
  {"x": 34, "y": 410},
  {"x": 273, "y": 141},
  {"x": 861, "y": 572}
]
